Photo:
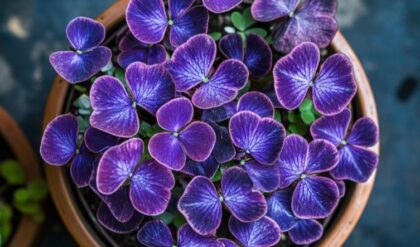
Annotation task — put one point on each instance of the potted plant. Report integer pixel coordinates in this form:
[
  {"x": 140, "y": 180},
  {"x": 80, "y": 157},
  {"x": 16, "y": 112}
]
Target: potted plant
[
  {"x": 210, "y": 123},
  {"x": 21, "y": 187}
]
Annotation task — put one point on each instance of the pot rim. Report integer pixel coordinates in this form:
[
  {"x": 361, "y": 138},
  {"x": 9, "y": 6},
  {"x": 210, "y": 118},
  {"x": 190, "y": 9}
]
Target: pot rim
[
  {"x": 27, "y": 229},
  {"x": 80, "y": 228}
]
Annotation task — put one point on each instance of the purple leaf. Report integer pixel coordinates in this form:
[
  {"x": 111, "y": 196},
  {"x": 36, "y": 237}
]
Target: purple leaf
[
  {"x": 271, "y": 93},
  {"x": 107, "y": 220},
  {"x": 59, "y": 142},
  {"x": 119, "y": 202},
  {"x": 175, "y": 114},
  {"x": 98, "y": 141},
  {"x": 244, "y": 203},
  {"x": 258, "y": 56},
  {"x": 335, "y": 85},
  {"x": 232, "y": 46},
  {"x": 132, "y": 50},
  {"x": 150, "y": 85},
  {"x": 197, "y": 140},
  {"x": 264, "y": 178},
  {"x": 314, "y": 21},
  {"x": 117, "y": 165},
  {"x": 128, "y": 42},
  {"x": 279, "y": 209},
  {"x": 262, "y": 138},
  {"x": 364, "y": 133},
  {"x": 190, "y": 23},
  {"x": 179, "y": 7},
  {"x": 231, "y": 76},
  {"x": 256, "y": 102},
  {"x": 262, "y": 233},
  {"x": 219, "y": 114},
  {"x": 306, "y": 232},
  {"x": 315, "y": 197},
  {"x": 332, "y": 128},
  {"x": 341, "y": 187},
  {"x": 223, "y": 150},
  {"x": 113, "y": 110},
  {"x": 294, "y": 73},
  {"x": 227, "y": 242},
  {"x": 270, "y": 10},
  {"x": 187, "y": 237},
  {"x": 120, "y": 205},
  {"x": 155, "y": 54},
  {"x": 155, "y": 234},
  {"x": 201, "y": 206},
  {"x": 82, "y": 167},
  {"x": 192, "y": 61},
  {"x": 150, "y": 188},
  {"x": 147, "y": 20},
  {"x": 356, "y": 164},
  {"x": 126, "y": 58},
  {"x": 323, "y": 157},
  {"x": 166, "y": 149},
  {"x": 293, "y": 159},
  {"x": 332, "y": 89},
  {"x": 77, "y": 67},
  {"x": 85, "y": 34},
  {"x": 206, "y": 168},
  {"x": 220, "y": 6}
]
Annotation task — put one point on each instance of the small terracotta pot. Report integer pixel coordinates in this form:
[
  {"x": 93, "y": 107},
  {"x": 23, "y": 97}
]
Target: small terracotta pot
[
  {"x": 27, "y": 231},
  {"x": 80, "y": 227}
]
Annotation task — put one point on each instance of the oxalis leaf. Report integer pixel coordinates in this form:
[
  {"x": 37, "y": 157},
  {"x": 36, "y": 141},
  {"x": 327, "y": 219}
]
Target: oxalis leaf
[
  {"x": 238, "y": 21},
  {"x": 247, "y": 18},
  {"x": 12, "y": 172},
  {"x": 216, "y": 35},
  {"x": 38, "y": 189}
]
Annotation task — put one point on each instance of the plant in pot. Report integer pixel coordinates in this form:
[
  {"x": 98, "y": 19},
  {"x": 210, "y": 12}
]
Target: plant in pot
[
  {"x": 210, "y": 123},
  {"x": 22, "y": 189}
]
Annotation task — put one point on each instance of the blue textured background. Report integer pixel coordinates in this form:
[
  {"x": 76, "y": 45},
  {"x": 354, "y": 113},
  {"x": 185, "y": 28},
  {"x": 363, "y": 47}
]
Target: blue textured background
[{"x": 384, "y": 33}]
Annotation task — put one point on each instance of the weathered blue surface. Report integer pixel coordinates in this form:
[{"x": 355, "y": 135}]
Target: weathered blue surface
[{"x": 384, "y": 33}]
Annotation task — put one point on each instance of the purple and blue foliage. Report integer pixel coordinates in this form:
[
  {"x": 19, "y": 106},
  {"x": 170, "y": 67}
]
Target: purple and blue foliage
[{"x": 183, "y": 136}]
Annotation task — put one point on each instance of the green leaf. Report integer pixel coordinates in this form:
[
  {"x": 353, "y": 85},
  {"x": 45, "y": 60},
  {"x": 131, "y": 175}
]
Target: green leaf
[
  {"x": 120, "y": 74},
  {"x": 166, "y": 218},
  {"x": 83, "y": 123},
  {"x": 269, "y": 40},
  {"x": 292, "y": 117},
  {"x": 79, "y": 88},
  {"x": 216, "y": 35},
  {"x": 245, "y": 89},
  {"x": 5, "y": 212},
  {"x": 260, "y": 31},
  {"x": 21, "y": 195},
  {"x": 217, "y": 176},
  {"x": 297, "y": 129},
  {"x": 12, "y": 172},
  {"x": 308, "y": 117},
  {"x": 5, "y": 231},
  {"x": 243, "y": 36},
  {"x": 238, "y": 21},
  {"x": 247, "y": 17},
  {"x": 179, "y": 220},
  {"x": 27, "y": 207},
  {"x": 146, "y": 130},
  {"x": 230, "y": 29},
  {"x": 306, "y": 105},
  {"x": 82, "y": 103},
  {"x": 277, "y": 116},
  {"x": 38, "y": 189}
]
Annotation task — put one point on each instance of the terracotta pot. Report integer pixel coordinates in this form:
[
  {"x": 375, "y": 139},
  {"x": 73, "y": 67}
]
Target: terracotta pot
[
  {"x": 80, "y": 227},
  {"x": 27, "y": 231}
]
